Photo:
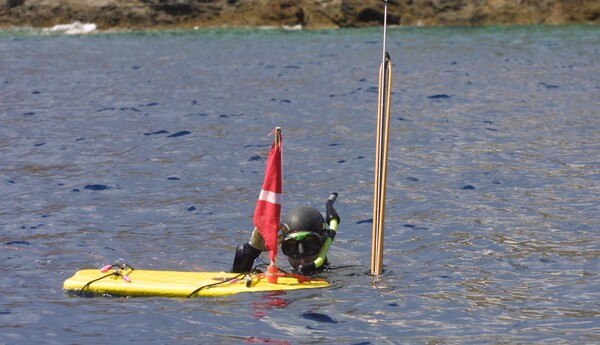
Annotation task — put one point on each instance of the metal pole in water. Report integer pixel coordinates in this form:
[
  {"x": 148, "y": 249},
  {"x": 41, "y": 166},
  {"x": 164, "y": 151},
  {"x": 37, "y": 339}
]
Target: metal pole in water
[{"x": 381, "y": 153}]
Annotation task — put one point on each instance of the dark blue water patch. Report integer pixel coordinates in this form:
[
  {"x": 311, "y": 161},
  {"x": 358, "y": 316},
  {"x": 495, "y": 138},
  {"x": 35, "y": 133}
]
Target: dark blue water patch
[
  {"x": 372, "y": 89},
  {"x": 255, "y": 158},
  {"x": 29, "y": 113},
  {"x": 75, "y": 190},
  {"x": 35, "y": 92},
  {"x": 280, "y": 101},
  {"x": 197, "y": 114},
  {"x": 135, "y": 67},
  {"x": 346, "y": 93},
  {"x": 226, "y": 116},
  {"x": 319, "y": 317},
  {"x": 40, "y": 144},
  {"x": 341, "y": 161},
  {"x": 17, "y": 243},
  {"x": 548, "y": 86},
  {"x": 402, "y": 119},
  {"x": 173, "y": 178},
  {"x": 415, "y": 227},
  {"x": 4, "y": 312},
  {"x": 491, "y": 129},
  {"x": 106, "y": 109},
  {"x": 191, "y": 208},
  {"x": 152, "y": 104},
  {"x": 439, "y": 96},
  {"x": 162, "y": 131},
  {"x": 412, "y": 179},
  {"x": 365, "y": 221},
  {"x": 96, "y": 187},
  {"x": 130, "y": 109},
  {"x": 179, "y": 134},
  {"x": 468, "y": 187},
  {"x": 334, "y": 144},
  {"x": 292, "y": 67}
]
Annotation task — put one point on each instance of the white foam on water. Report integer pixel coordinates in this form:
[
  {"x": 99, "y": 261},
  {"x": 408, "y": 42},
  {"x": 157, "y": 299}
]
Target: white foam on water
[{"x": 75, "y": 28}]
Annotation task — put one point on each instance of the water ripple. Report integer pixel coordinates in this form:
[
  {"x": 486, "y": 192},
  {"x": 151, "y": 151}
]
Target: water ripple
[{"x": 149, "y": 149}]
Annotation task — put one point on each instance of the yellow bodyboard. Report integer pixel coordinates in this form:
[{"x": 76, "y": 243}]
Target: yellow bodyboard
[{"x": 145, "y": 283}]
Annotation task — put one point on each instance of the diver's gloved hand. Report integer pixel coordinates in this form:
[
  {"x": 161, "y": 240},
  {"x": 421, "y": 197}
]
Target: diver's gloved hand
[
  {"x": 244, "y": 258},
  {"x": 330, "y": 211}
]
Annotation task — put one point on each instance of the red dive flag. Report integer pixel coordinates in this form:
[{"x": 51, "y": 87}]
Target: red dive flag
[{"x": 268, "y": 207}]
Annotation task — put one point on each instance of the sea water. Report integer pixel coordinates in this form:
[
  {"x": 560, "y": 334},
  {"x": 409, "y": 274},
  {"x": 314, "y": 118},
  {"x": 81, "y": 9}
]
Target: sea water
[{"x": 148, "y": 148}]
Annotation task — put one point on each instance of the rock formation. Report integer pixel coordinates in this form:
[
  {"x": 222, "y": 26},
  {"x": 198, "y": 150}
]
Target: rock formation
[{"x": 138, "y": 14}]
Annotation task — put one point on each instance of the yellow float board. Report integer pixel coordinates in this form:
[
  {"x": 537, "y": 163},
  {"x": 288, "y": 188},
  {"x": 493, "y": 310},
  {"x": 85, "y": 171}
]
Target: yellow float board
[{"x": 145, "y": 283}]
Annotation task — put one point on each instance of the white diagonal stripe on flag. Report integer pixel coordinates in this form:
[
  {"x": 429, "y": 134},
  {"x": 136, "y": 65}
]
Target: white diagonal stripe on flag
[{"x": 272, "y": 197}]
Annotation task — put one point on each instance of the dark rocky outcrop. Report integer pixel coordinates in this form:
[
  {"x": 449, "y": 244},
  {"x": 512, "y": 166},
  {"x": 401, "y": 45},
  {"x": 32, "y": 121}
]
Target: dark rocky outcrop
[{"x": 306, "y": 13}]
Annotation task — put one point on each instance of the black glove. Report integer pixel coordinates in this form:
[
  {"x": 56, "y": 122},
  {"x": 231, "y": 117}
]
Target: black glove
[
  {"x": 244, "y": 258},
  {"x": 330, "y": 211}
]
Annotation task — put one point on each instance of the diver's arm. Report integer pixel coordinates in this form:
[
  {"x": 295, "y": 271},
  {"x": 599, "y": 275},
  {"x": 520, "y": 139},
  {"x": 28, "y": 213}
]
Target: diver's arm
[
  {"x": 247, "y": 253},
  {"x": 258, "y": 242}
]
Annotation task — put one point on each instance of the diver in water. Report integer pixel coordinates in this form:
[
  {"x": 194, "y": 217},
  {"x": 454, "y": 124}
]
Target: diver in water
[{"x": 304, "y": 236}]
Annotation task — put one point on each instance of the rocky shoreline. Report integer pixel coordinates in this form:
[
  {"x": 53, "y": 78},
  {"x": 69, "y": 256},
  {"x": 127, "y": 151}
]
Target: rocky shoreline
[{"x": 310, "y": 14}]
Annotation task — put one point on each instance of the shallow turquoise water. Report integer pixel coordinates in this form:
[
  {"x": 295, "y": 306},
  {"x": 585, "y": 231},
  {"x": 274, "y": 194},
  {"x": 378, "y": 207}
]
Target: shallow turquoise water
[{"x": 149, "y": 149}]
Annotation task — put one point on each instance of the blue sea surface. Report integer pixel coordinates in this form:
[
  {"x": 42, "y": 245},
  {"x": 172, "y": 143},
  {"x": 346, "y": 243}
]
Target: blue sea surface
[{"x": 149, "y": 148}]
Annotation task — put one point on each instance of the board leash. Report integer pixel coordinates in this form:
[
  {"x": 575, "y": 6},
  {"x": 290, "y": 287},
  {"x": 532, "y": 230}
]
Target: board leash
[
  {"x": 254, "y": 277},
  {"x": 117, "y": 272},
  {"x": 232, "y": 279}
]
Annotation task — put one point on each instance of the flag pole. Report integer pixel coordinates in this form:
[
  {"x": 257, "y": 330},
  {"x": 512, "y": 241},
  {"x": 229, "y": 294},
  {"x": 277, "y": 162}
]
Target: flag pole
[
  {"x": 381, "y": 153},
  {"x": 268, "y": 207},
  {"x": 277, "y": 132}
]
